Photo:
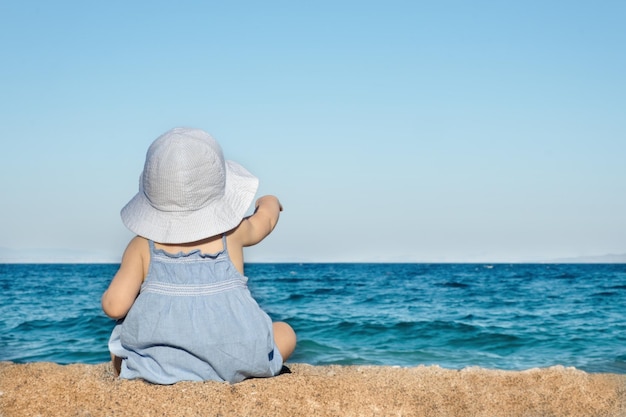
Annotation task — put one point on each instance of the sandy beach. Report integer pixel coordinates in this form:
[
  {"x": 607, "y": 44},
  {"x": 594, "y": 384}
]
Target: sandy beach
[{"x": 48, "y": 389}]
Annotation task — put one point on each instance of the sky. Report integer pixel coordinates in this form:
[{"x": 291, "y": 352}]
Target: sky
[{"x": 396, "y": 131}]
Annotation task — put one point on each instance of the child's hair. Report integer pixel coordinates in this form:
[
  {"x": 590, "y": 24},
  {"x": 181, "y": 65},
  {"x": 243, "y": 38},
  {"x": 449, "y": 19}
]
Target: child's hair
[{"x": 187, "y": 191}]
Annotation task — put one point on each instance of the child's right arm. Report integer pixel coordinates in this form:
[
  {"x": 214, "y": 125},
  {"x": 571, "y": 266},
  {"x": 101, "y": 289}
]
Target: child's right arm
[
  {"x": 124, "y": 288},
  {"x": 255, "y": 228}
]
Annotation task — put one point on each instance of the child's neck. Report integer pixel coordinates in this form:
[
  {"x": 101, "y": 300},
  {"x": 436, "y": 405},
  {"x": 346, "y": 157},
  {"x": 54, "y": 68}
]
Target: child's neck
[{"x": 211, "y": 244}]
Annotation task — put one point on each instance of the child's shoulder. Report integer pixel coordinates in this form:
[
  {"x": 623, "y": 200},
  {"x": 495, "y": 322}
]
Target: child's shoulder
[
  {"x": 138, "y": 253},
  {"x": 139, "y": 242},
  {"x": 138, "y": 247}
]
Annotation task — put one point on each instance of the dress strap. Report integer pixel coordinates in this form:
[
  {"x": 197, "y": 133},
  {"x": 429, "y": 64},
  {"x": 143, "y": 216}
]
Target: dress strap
[
  {"x": 151, "y": 245},
  {"x": 224, "y": 242}
]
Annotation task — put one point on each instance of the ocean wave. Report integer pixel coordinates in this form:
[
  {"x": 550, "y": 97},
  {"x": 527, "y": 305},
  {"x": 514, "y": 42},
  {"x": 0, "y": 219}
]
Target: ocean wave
[
  {"x": 507, "y": 317},
  {"x": 453, "y": 284}
]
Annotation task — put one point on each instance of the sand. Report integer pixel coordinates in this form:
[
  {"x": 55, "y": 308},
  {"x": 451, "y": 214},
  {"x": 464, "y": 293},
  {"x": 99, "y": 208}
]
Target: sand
[{"x": 48, "y": 389}]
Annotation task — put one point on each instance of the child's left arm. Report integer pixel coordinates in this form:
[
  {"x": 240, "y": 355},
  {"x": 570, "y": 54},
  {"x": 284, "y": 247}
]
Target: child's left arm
[{"x": 124, "y": 288}]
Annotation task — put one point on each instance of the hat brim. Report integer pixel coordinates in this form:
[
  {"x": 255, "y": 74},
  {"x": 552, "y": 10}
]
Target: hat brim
[{"x": 217, "y": 217}]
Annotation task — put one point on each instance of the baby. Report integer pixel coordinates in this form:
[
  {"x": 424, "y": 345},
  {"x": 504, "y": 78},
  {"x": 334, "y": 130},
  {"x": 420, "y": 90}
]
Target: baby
[{"x": 180, "y": 296}]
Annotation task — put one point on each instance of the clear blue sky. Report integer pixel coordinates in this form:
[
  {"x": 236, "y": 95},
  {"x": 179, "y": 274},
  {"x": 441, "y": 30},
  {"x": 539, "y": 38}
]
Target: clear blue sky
[{"x": 391, "y": 131}]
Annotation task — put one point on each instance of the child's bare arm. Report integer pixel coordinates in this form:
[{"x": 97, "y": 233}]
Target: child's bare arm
[
  {"x": 255, "y": 228},
  {"x": 121, "y": 294}
]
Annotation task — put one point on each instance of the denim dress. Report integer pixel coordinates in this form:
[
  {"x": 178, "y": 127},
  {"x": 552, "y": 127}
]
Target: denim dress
[{"x": 195, "y": 320}]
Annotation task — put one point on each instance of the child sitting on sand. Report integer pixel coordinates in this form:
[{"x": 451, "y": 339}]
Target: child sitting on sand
[{"x": 183, "y": 306}]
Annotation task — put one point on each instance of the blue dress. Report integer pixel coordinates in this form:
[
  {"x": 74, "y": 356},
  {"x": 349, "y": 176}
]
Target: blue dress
[{"x": 195, "y": 320}]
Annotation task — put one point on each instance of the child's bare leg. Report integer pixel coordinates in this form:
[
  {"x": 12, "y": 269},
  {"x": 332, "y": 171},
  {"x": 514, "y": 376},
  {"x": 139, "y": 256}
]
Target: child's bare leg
[
  {"x": 285, "y": 339},
  {"x": 117, "y": 364}
]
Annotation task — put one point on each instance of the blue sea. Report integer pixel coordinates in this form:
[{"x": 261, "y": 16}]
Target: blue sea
[{"x": 501, "y": 316}]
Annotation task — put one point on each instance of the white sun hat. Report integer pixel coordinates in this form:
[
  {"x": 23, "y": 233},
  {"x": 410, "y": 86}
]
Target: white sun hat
[{"x": 187, "y": 191}]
